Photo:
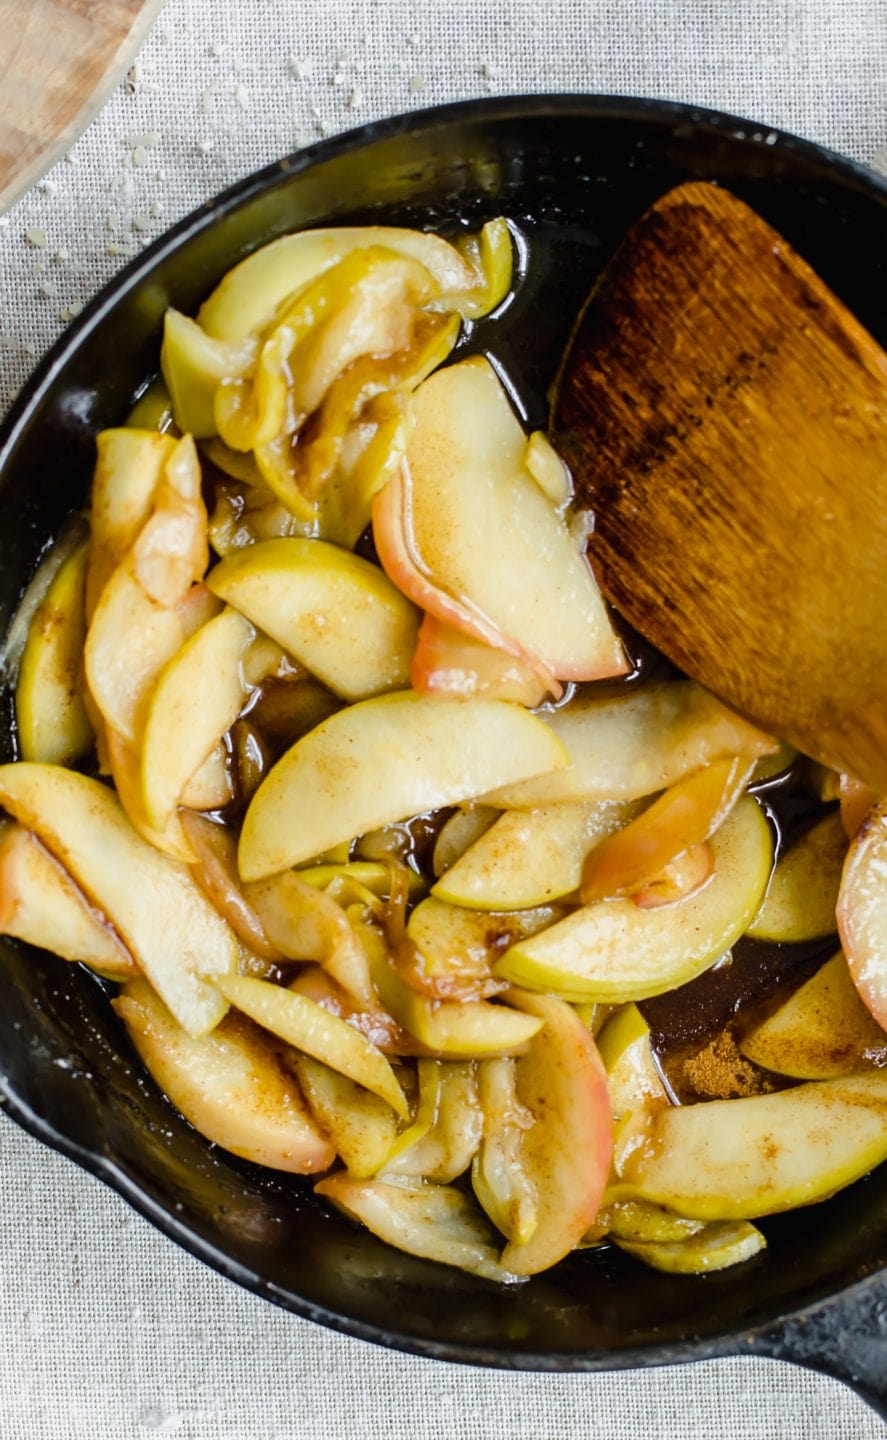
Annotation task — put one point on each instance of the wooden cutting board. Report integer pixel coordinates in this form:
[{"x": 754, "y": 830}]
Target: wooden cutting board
[{"x": 59, "y": 60}]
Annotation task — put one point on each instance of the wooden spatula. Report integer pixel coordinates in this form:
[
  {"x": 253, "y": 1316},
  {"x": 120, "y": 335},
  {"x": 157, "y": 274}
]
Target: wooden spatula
[{"x": 725, "y": 417}]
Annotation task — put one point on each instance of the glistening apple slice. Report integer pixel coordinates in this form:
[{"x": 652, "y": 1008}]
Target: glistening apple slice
[
  {"x": 230, "y": 1085},
  {"x": 465, "y": 481},
  {"x": 737, "y": 1159},
  {"x": 381, "y": 761},
  {"x": 862, "y": 912},
  {"x": 176, "y": 936},
  {"x": 450, "y": 662},
  {"x": 613, "y": 950}
]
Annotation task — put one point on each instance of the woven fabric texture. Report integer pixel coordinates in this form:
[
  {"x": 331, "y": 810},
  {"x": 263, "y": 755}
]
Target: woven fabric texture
[{"x": 111, "y": 1333}]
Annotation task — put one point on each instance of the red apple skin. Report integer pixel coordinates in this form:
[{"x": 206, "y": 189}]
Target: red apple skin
[
  {"x": 862, "y": 912},
  {"x": 403, "y": 569},
  {"x": 449, "y": 662},
  {"x": 561, "y": 1080}
]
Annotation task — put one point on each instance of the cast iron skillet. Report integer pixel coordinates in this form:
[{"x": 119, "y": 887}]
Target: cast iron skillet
[{"x": 573, "y": 172}]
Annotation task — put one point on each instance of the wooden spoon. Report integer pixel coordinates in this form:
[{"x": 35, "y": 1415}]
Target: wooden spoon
[{"x": 725, "y": 417}]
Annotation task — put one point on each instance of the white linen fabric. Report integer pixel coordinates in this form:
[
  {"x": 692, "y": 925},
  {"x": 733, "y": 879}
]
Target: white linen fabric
[{"x": 109, "y": 1331}]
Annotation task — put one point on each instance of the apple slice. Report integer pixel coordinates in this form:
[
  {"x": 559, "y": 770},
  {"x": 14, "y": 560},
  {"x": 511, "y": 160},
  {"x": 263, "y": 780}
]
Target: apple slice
[
  {"x": 633, "y": 1080},
  {"x": 464, "y": 480},
  {"x": 306, "y": 924},
  {"x": 337, "y": 614},
  {"x": 40, "y": 904},
  {"x": 129, "y": 465},
  {"x": 176, "y": 937},
  {"x": 626, "y": 861},
  {"x": 631, "y": 745},
  {"x": 856, "y": 800},
  {"x": 862, "y": 912},
  {"x": 195, "y": 702},
  {"x": 459, "y": 833},
  {"x": 715, "y": 1247},
  {"x": 449, "y": 662},
  {"x": 230, "y": 1085},
  {"x": 211, "y": 786},
  {"x": 125, "y": 768},
  {"x": 823, "y": 1029},
  {"x": 456, "y": 947},
  {"x": 434, "y": 1222},
  {"x": 644, "y": 1223},
  {"x": 361, "y": 1126},
  {"x": 450, "y": 1144},
  {"x": 250, "y": 295},
  {"x": 802, "y": 895},
  {"x": 681, "y": 877},
  {"x": 309, "y": 1027},
  {"x": 51, "y": 721},
  {"x": 451, "y": 1029},
  {"x": 498, "y": 1176},
  {"x": 381, "y": 761},
  {"x": 529, "y": 858},
  {"x": 215, "y": 871},
  {"x": 737, "y": 1159},
  {"x": 566, "y": 1153},
  {"x": 613, "y": 950},
  {"x": 195, "y": 365},
  {"x": 129, "y": 641}
]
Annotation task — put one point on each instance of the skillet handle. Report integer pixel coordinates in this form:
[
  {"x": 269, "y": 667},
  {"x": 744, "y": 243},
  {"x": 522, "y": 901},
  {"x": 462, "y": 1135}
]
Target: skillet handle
[{"x": 845, "y": 1338}]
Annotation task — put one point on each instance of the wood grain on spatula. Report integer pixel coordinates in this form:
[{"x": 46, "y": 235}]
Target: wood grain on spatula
[{"x": 725, "y": 417}]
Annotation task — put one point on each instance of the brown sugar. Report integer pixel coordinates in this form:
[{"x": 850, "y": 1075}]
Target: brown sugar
[{"x": 720, "y": 1072}]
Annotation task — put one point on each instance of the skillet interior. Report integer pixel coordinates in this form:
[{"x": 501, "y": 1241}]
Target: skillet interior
[{"x": 573, "y": 174}]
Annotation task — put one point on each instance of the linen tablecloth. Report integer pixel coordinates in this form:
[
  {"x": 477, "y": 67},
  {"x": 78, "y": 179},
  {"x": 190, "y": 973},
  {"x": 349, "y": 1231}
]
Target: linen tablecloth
[{"x": 108, "y": 1331}]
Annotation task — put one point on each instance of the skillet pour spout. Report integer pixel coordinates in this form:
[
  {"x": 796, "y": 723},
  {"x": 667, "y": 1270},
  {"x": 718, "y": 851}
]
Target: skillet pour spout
[{"x": 572, "y": 173}]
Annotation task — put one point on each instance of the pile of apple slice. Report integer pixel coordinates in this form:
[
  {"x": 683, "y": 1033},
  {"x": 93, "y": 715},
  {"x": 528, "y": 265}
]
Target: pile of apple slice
[{"x": 383, "y": 876}]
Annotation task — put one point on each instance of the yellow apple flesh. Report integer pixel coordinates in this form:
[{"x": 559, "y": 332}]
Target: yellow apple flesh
[
  {"x": 449, "y": 1146},
  {"x": 803, "y": 893},
  {"x": 737, "y": 1159},
  {"x": 339, "y": 615},
  {"x": 230, "y": 1085},
  {"x": 862, "y": 912},
  {"x": 716, "y": 1247},
  {"x": 40, "y": 904},
  {"x": 51, "y": 721},
  {"x": 822, "y": 1029},
  {"x": 381, "y": 761},
  {"x": 613, "y": 950},
  {"x": 361, "y": 1126},
  {"x": 175, "y": 935}
]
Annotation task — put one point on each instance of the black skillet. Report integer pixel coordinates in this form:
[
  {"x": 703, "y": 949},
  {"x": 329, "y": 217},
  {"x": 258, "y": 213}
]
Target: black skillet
[{"x": 573, "y": 173}]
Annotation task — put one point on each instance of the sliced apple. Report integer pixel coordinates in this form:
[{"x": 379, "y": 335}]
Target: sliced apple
[
  {"x": 464, "y": 480},
  {"x": 211, "y": 787},
  {"x": 453, "y": 1030},
  {"x": 176, "y": 937},
  {"x": 434, "y": 1222},
  {"x": 195, "y": 702},
  {"x": 529, "y": 858},
  {"x": 633, "y": 1080},
  {"x": 644, "y": 1223},
  {"x": 153, "y": 409},
  {"x": 677, "y": 880},
  {"x": 566, "y": 1153},
  {"x": 129, "y": 465},
  {"x": 373, "y": 1022},
  {"x": 449, "y": 1146},
  {"x": 385, "y": 760},
  {"x": 635, "y": 744},
  {"x": 51, "y": 721},
  {"x": 548, "y": 469},
  {"x": 822, "y": 1029},
  {"x": 856, "y": 800},
  {"x": 716, "y": 1247},
  {"x": 306, "y": 924},
  {"x": 194, "y": 366},
  {"x": 171, "y": 551},
  {"x": 456, "y": 947},
  {"x": 125, "y": 768},
  {"x": 498, "y": 1175},
  {"x": 309, "y": 1027},
  {"x": 737, "y": 1159},
  {"x": 449, "y": 662},
  {"x": 337, "y": 614},
  {"x": 251, "y": 294},
  {"x": 613, "y": 950},
  {"x": 40, "y": 904},
  {"x": 802, "y": 895},
  {"x": 862, "y": 912},
  {"x": 215, "y": 871},
  {"x": 628, "y": 859},
  {"x": 129, "y": 641},
  {"x": 361, "y": 1126},
  {"x": 230, "y": 1085},
  {"x": 459, "y": 833}
]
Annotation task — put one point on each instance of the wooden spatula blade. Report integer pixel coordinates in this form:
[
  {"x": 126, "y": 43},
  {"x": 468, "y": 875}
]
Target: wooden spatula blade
[{"x": 725, "y": 417}]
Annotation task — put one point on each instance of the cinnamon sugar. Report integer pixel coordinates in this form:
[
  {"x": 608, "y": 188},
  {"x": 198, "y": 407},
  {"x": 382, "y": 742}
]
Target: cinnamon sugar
[{"x": 720, "y": 1072}]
